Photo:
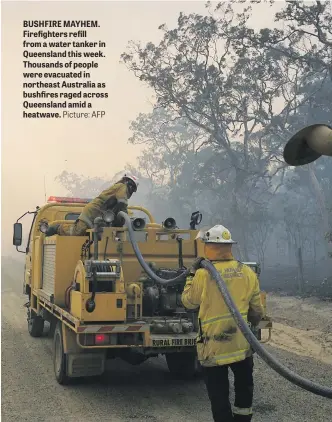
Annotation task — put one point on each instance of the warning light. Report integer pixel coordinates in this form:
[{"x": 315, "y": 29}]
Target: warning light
[
  {"x": 100, "y": 338},
  {"x": 66, "y": 200}
]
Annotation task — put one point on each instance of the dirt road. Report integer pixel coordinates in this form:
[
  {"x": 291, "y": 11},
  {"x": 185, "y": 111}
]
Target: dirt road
[
  {"x": 302, "y": 326},
  {"x": 126, "y": 393}
]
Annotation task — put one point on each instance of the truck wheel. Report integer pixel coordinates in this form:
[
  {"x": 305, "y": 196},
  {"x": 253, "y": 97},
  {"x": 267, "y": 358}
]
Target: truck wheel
[
  {"x": 53, "y": 324},
  {"x": 59, "y": 357},
  {"x": 35, "y": 325},
  {"x": 183, "y": 364}
]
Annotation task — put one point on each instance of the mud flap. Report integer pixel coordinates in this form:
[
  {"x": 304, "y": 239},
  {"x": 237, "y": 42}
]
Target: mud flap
[{"x": 85, "y": 364}]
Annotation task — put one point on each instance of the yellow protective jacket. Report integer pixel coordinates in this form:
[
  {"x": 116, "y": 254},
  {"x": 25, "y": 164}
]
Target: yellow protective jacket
[
  {"x": 220, "y": 341},
  {"x": 114, "y": 198}
]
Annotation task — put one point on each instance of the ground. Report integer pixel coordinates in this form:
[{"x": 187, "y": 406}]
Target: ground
[
  {"x": 302, "y": 326},
  {"x": 148, "y": 392}
]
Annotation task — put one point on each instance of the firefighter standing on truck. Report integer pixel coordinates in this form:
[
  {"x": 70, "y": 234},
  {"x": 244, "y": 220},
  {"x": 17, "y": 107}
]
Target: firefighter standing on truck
[
  {"x": 220, "y": 343},
  {"x": 113, "y": 199}
]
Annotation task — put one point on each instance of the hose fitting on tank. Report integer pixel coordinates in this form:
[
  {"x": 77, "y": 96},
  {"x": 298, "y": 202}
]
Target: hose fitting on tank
[{"x": 133, "y": 290}]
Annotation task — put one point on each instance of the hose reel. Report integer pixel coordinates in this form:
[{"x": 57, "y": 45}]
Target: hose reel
[{"x": 100, "y": 272}]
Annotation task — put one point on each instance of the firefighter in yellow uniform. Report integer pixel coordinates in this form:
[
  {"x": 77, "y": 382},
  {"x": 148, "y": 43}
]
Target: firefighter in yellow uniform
[
  {"x": 220, "y": 343},
  {"x": 113, "y": 199}
]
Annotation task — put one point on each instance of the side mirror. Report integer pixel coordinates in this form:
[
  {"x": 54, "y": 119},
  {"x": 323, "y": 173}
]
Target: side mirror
[{"x": 17, "y": 236}]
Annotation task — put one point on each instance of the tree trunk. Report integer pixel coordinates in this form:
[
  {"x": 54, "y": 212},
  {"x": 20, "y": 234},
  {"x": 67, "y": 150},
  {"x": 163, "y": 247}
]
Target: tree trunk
[
  {"x": 321, "y": 203},
  {"x": 300, "y": 270},
  {"x": 245, "y": 249},
  {"x": 242, "y": 229},
  {"x": 289, "y": 247}
]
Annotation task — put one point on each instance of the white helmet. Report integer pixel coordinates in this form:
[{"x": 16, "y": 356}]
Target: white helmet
[
  {"x": 132, "y": 178},
  {"x": 217, "y": 234}
]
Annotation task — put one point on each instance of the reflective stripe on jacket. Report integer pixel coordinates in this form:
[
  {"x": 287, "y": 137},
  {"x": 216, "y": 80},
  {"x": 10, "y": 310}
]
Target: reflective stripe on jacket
[
  {"x": 114, "y": 198},
  {"x": 220, "y": 341}
]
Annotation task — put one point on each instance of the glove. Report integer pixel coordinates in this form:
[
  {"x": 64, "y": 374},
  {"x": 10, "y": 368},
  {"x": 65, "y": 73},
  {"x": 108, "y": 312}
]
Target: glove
[
  {"x": 253, "y": 317},
  {"x": 196, "y": 265}
]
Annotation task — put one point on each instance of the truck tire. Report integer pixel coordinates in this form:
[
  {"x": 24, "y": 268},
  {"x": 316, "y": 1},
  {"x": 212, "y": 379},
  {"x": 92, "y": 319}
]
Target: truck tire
[
  {"x": 53, "y": 324},
  {"x": 184, "y": 364},
  {"x": 35, "y": 325},
  {"x": 59, "y": 357}
]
